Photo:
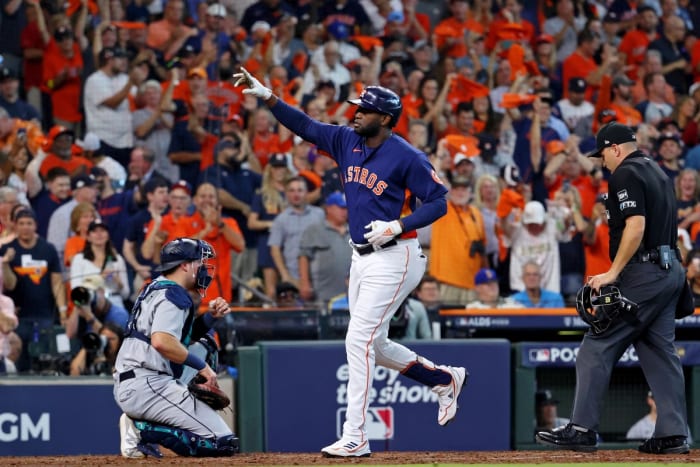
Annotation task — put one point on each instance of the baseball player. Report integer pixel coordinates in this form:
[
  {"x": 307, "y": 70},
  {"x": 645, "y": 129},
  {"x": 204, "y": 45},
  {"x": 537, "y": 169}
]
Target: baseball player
[
  {"x": 641, "y": 208},
  {"x": 157, "y": 406},
  {"x": 381, "y": 175}
]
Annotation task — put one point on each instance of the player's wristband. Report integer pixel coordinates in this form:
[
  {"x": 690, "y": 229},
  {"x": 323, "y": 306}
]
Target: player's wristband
[{"x": 194, "y": 361}]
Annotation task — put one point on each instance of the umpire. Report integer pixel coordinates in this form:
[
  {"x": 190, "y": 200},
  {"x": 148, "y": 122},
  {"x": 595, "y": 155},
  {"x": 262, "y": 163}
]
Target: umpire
[{"x": 641, "y": 208}]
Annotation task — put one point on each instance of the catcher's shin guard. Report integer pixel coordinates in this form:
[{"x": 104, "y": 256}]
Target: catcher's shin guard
[{"x": 186, "y": 443}]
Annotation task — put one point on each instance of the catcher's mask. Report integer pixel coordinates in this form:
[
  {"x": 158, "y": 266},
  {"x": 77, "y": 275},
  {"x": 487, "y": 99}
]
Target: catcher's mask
[
  {"x": 600, "y": 309},
  {"x": 183, "y": 250}
]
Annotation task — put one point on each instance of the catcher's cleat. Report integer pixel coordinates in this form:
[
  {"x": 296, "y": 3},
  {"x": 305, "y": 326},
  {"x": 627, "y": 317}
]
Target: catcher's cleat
[
  {"x": 347, "y": 448},
  {"x": 448, "y": 394},
  {"x": 665, "y": 445},
  {"x": 130, "y": 438},
  {"x": 572, "y": 437},
  {"x": 149, "y": 449}
]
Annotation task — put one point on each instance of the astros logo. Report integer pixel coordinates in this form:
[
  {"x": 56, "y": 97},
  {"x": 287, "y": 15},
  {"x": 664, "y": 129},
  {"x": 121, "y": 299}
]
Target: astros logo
[
  {"x": 365, "y": 177},
  {"x": 435, "y": 177}
]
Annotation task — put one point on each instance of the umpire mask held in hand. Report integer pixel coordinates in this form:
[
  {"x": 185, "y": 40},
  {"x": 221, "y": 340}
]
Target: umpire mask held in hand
[{"x": 601, "y": 309}]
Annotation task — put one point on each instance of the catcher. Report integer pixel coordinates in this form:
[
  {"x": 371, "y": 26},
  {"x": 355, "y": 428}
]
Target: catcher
[{"x": 149, "y": 382}]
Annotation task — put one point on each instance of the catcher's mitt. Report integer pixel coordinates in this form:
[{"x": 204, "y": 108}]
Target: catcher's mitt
[{"x": 210, "y": 394}]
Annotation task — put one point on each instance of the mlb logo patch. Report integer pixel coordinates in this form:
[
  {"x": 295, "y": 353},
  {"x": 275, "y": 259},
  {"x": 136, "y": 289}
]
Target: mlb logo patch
[
  {"x": 379, "y": 423},
  {"x": 539, "y": 355}
]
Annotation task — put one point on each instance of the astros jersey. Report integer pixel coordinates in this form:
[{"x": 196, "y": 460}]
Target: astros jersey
[{"x": 375, "y": 180}]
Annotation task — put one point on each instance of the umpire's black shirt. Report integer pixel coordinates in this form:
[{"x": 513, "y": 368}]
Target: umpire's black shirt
[{"x": 638, "y": 187}]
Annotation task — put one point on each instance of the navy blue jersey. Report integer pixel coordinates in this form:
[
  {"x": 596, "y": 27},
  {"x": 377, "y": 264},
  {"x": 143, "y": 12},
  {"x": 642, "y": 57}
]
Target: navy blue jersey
[
  {"x": 378, "y": 182},
  {"x": 33, "y": 294}
]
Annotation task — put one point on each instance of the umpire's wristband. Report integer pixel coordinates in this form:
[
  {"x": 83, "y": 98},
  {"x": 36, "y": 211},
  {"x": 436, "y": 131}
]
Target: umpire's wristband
[{"x": 194, "y": 361}]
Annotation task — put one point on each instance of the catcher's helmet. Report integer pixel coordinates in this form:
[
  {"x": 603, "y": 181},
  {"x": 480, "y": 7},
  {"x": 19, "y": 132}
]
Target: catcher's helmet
[
  {"x": 600, "y": 309},
  {"x": 382, "y": 100},
  {"x": 183, "y": 250}
]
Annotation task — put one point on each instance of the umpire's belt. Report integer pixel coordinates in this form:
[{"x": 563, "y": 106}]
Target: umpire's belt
[
  {"x": 132, "y": 374},
  {"x": 651, "y": 256},
  {"x": 369, "y": 248}
]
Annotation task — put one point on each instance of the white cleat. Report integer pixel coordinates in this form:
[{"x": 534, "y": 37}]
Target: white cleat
[
  {"x": 129, "y": 438},
  {"x": 347, "y": 448},
  {"x": 448, "y": 394}
]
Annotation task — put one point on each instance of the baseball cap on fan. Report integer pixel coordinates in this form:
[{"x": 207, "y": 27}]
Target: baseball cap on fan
[
  {"x": 612, "y": 133},
  {"x": 533, "y": 213},
  {"x": 577, "y": 85},
  {"x": 511, "y": 175},
  {"x": 484, "y": 276},
  {"x": 336, "y": 199},
  {"x": 216, "y": 10}
]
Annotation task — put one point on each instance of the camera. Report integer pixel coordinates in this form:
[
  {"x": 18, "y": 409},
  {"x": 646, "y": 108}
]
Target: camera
[
  {"x": 95, "y": 361},
  {"x": 82, "y": 296},
  {"x": 477, "y": 247},
  {"x": 93, "y": 342}
]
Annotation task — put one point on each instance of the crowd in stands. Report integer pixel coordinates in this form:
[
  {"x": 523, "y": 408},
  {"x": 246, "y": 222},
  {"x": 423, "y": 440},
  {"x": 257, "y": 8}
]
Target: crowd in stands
[{"x": 121, "y": 129}]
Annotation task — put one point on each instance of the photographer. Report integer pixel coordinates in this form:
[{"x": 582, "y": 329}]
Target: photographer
[
  {"x": 458, "y": 245},
  {"x": 92, "y": 309},
  {"x": 99, "y": 351}
]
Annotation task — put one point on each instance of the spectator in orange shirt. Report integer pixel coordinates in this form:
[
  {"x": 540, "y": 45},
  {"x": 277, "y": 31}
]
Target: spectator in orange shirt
[
  {"x": 695, "y": 61},
  {"x": 622, "y": 101},
  {"x": 415, "y": 26},
  {"x": 80, "y": 218},
  {"x": 222, "y": 233},
  {"x": 510, "y": 13},
  {"x": 568, "y": 167},
  {"x": 459, "y": 20},
  {"x": 464, "y": 122},
  {"x": 12, "y": 128},
  {"x": 60, "y": 142},
  {"x": 62, "y": 78},
  {"x": 581, "y": 64},
  {"x": 161, "y": 229},
  {"x": 34, "y": 39},
  {"x": 596, "y": 239},
  {"x": 170, "y": 33},
  {"x": 264, "y": 139},
  {"x": 458, "y": 245},
  {"x": 636, "y": 41}
]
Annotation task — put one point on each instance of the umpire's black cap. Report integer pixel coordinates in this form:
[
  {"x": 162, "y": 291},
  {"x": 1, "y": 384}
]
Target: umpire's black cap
[{"x": 612, "y": 133}]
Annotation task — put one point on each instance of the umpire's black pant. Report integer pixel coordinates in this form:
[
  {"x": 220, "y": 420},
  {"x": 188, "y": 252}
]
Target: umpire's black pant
[{"x": 656, "y": 291}]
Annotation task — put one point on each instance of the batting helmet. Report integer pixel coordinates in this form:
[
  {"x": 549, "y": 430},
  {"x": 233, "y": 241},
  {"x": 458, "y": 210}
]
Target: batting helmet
[
  {"x": 382, "y": 100},
  {"x": 600, "y": 309}
]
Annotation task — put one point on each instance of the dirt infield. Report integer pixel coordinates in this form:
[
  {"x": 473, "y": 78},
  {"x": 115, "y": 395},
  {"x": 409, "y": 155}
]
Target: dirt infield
[{"x": 626, "y": 457}]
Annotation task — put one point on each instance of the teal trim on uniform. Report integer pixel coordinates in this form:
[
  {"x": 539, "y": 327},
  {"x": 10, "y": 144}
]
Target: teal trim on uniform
[{"x": 249, "y": 395}]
